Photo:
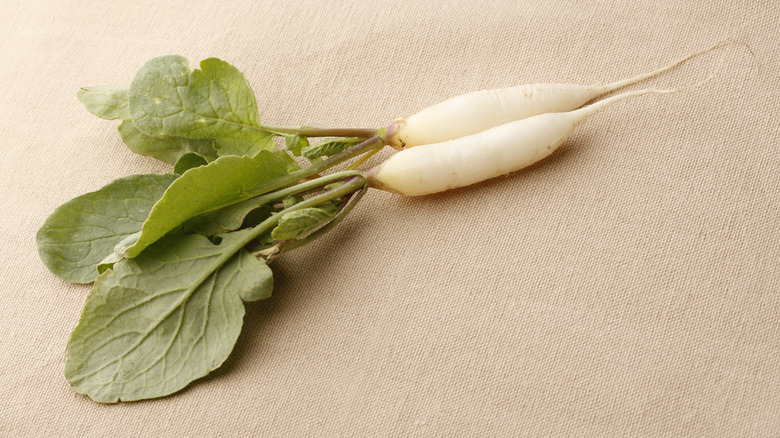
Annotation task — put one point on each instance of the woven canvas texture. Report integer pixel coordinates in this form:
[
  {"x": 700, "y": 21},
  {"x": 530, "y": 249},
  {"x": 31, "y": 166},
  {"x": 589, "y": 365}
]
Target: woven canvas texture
[{"x": 626, "y": 286}]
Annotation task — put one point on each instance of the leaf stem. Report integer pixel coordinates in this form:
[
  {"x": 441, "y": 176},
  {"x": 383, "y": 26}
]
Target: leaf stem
[
  {"x": 357, "y": 163},
  {"x": 358, "y": 182},
  {"x": 321, "y": 132},
  {"x": 367, "y": 145},
  {"x": 306, "y": 186}
]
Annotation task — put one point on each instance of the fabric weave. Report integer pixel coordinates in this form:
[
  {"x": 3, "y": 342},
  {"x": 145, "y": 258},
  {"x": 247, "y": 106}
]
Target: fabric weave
[{"x": 625, "y": 286}]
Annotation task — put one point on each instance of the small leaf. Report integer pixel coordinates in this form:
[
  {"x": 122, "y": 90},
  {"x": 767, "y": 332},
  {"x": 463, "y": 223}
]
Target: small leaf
[
  {"x": 223, "y": 182},
  {"x": 299, "y": 223},
  {"x": 167, "y": 149},
  {"x": 294, "y": 144},
  {"x": 123, "y": 244},
  {"x": 108, "y": 102},
  {"x": 167, "y": 99},
  {"x": 291, "y": 200},
  {"x": 188, "y": 161},
  {"x": 329, "y": 148},
  {"x": 80, "y": 233},
  {"x": 292, "y": 165},
  {"x": 155, "y": 323},
  {"x": 109, "y": 262}
]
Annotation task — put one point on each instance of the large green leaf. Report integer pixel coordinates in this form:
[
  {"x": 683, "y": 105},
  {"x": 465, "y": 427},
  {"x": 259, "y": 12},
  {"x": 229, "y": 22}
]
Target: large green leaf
[
  {"x": 80, "y": 233},
  {"x": 222, "y": 182},
  {"x": 167, "y": 99},
  {"x": 108, "y": 102},
  {"x": 167, "y": 149},
  {"x": 157, "y": 322}
]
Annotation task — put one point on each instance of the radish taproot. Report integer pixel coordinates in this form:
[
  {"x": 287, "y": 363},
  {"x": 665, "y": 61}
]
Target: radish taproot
[
  {"x": 506, "y": 148},
  {"x": 477, "y": 111}
]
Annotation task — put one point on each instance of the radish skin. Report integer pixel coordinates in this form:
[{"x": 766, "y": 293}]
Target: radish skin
[
  {"x": 496, "y": 151},
  {"x": 477, "y": 111}
]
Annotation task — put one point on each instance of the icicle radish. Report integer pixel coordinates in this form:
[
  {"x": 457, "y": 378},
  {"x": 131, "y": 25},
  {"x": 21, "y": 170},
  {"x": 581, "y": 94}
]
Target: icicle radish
[
  {"x": 475, "y": 112},
  {"x": 497, "y": 151}
]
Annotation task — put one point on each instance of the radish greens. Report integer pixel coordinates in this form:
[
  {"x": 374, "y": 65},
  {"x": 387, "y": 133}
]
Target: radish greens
[{"x": 173, "y": 256}]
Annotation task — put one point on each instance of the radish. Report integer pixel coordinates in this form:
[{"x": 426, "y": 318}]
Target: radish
[
  {"x": 477, "y": 111},
  {"x": 496, "y": 151}
]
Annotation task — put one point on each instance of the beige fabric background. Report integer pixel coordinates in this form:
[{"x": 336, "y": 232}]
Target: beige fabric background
[{"x": 627, "y": 286}]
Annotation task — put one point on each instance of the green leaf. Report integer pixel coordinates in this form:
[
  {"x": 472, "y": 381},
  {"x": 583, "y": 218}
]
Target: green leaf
[
  {"x": 80, "y": 233},
  {"x": 329, "y": 148},
  {"x": 222, "y": 182},
  {"x": 167, "y": 99},
  {"x": 188, "y": 161},
  {"x": 107, "y": 102},
  {"x": 299, "y": 223},
  {"x": 155, "y": 323},
  {"x": 167, "y": 149},
  {"x": 295, "y": 143}
]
